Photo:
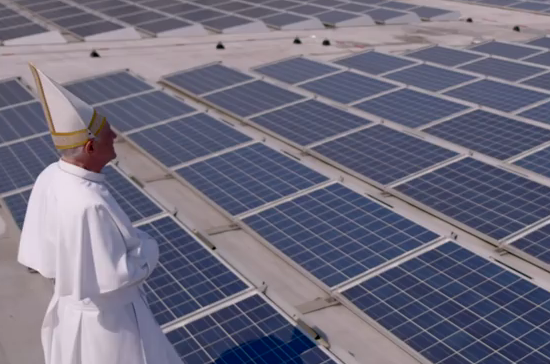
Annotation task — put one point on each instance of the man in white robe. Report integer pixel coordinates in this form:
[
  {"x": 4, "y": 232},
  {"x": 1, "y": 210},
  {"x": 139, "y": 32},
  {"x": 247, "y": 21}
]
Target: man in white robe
[{"x": 76, "y": 233}]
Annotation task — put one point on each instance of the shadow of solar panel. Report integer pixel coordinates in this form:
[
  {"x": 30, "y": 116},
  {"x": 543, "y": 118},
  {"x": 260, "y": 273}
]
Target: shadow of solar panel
[
  {"x": 410, "y": 108},
  {"x": 143, "y": 110},
  {"x": 454, "y": 306},
  {"x": 495, "y": 135},
  {"x": 13, "y": 93},
  {"x": 295, "y": 70},
  {"x": 429, "y": 77},
  {"x": 107, "y": 87},
  {"x": 374, "y": 62},
  {"x": 513, "y": 51},
  {"x": 309, "y": 121},
  {"x": 538, "y": 162},
  {"x": 185, "y": 139},
  {"x": 249, "y": 177},
  {"x": 506, "y": 70},
  {"x": 249, "y": 331},
  {"x": 22, "y": 121},
  {"x": 382, "y": 154},
  {"x": 542, "y": 81},
  {"x": 497, "y": 95},
  {"x": 188, "y": 277},
  {"x": 23, "y": 161},
  {"x": 252, "y": 98},
  {"x": 17, "y": 204},
  {"x": 336, "y": 234},
  {"x": 206, "y": 79},
  {"x": 347, "y": 87},
  {"x": 487, "y": 199},
  {"x": 444, "y": 56}
]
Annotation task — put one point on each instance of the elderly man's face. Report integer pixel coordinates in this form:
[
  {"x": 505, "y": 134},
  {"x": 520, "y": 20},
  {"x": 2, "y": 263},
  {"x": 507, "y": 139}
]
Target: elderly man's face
[{"x": 103, "y": 147}]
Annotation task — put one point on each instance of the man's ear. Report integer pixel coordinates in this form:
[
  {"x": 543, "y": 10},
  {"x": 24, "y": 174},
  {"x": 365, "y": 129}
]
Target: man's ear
[{"x": 89, "y": 146}]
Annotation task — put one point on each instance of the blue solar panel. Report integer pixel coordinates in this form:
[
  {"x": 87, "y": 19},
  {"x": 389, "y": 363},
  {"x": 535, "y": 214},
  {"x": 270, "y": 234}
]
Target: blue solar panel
[
  {"x": 543, "y": 59},
  {"x": 207, "y": 79},
  {"x": 185, "y": 139},
  {"x": 488, "y": 199},
  {"x": 336, "y": 234},
  {"x": 513, "y": 51},
  {"x": 497, "y": 95},
  {"x": 506, "y": 70},
  {"x": 538, "y": 113},
  {"x": 532, "y": 6},
  {"x": 188, "y": 277},
  {"x": 383, "y": 154},
  {"x": 249, "y": 177},
  {"x": 536, "y": 244},
  {"x": 252, "y": 98},
  {"x": 543, "y": 42},
  {"x": 22, "y": 121},
  {"x": 491, "y": 134},
  {"x": 445, "y": 56},
  {"x": 456, "y": 307},
  {"x": 347, "y": 87},
  {"x": 542, "y": 81},
  {"x": 309, "y": 121},
  {"x": 410, "y": 108},
  {"x": 250, "y": 331},
  {"x": 142, "y": 110},
  {"x": 13, "y": 93},
  {"x": 429, "y": 77},
  {"x": 538, "y": 162},
  {"x": 295, "y": 70},
  {"x": 107, "y": 87},
  {"x": 17, "y": 204},
  {"x": 22, "y": 162}
]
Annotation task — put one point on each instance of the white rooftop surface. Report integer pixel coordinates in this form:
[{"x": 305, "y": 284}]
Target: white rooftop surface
[{"x": 24, "y": 296}]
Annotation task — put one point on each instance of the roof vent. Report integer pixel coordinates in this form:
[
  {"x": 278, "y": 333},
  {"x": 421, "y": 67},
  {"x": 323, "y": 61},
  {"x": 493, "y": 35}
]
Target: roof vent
[
  {"x": 326, "y": 42},
  {"x": 297, "y": 41},
  {"x": 94, "y": 54},
  {"x": 220, "y": 46},
  {"x": 516, "y": 28},
  {"x": 469, "y": 20}
]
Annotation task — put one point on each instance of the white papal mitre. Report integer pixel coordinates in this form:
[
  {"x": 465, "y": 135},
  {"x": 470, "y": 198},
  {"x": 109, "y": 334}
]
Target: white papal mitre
[{"x": 72, "y": 122}]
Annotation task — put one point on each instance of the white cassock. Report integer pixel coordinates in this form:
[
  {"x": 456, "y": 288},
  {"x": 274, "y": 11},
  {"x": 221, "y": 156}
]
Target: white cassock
[{"x": 76, "y": 233}]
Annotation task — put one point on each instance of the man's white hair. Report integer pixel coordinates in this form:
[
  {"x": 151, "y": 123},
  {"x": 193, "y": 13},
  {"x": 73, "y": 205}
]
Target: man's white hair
[{"x": 72, "y": 153}]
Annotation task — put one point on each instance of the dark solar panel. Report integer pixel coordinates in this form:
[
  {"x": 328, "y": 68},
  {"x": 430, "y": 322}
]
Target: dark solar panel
[
  {"x": 12, "y": 93},
  {"x": 513, "y": 51},
  {"x": 444, "y": 56},
  {"x": 538, "y": 162},
  {"x": 542, "y": 81},
  {"x": 17, "y": 204},
  {"x": 538, "y": 113},
  {"x": 536, "y": 244},
  {"x": 429, "y": 77},
  {"x": 295, "y": 70},
  {"x": 506, "y": 70},
  {"x": 374, "y": 62},
  {"x": 22, "y": 121}
]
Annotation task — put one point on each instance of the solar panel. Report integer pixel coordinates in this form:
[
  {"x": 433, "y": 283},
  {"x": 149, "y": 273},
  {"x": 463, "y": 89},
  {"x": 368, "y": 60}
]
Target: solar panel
[
  {"x": 444, "y": 56},
  {"x": 499, "y": 68},
  {"x": 495, "y": 135},
  {"x": 188, "y": 277},
  {"x": 17, "y": 204},
  {"x": 543, "y": 59},
  {"x": 382, "y": 154},
  {"x": 336, "y": 234},
  {"x": 308, "y": 9},
  {"x": 23, "y": 161},
  {"x": 410, "y": 108},
  {"x": 488, "y": 199},
  {"x": 513, "y": 51},
  {"x": 226, "y": 22},
  {"x": 107, "y": 87},
  {"x": 164, "y": 25},
  {"x": 201, "y": 15},
  {"x": 21, "y": 121},
  {"x": 382, "y": 15},
  {"x": 528, "y": 5},
  {"x": 429, "y": 77},
  {"x": 283, "y": 19},
  {"x": 257, "y": 12},
  {"x": 334, "y": 17},
  {"x": 249, "y": 331},
  {"x": 347, "y": 87},
  {"x": 543, "y": 42},
  {"x": 327, "y": 3},
  {"x": 310, "y": 121},
  {"x": 249, "y": 177},
  {"x": 13, "y": 93},
  {"x": 185, "y": 139},
  {"x": 357, "y": 8},
  {"x": 295, "y": 70},
  {"x": 233, "y": 6},
  {"x": 426, "y": 12},
  {"x": 374, "y": 62},
  {"x": 143, "y": 110},
  {"x": 252, "y": 98},
  {"x": 281, "y": 4},
  {"x": 535, "y": 244},
  {"x": 398, "y": 5},
  {"x": 542, "y": 81},
  {"x": 100, "y": 27},
  {"x": 497, "y": 95},
  {"x": 537, "y": 162},
  {"x": 76, "y": 20},
  {"x": 454, "y": 306}
]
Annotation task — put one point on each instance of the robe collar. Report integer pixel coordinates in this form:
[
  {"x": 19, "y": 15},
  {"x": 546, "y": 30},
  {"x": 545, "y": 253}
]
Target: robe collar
[{"x": 80, "y": 172}]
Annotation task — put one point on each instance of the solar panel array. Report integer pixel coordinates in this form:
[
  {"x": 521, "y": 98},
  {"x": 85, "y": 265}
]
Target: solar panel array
[
  {"x": 14, "y": 25},
  {"x": 532, "y": 6}
]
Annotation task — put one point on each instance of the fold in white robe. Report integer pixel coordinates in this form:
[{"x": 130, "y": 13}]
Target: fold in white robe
[{"x": 76, "y": 233}]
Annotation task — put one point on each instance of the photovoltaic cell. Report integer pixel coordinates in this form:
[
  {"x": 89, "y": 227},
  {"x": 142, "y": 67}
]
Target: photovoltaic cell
[
  {"x": 17, "y": 204},
  {"x": 142, "y": 110},
  {"x": 206, "y": 79},
  {"x": 21, "y": 31},
  {"x": 374, "y": 62},
  {"x": 347, "y": 87},
  {"x": 495, "y": 135},
  {"x": 538, "y": 113},
  {"x": 95, "y": 28},
  {"x": 542, "y": 81},
  {"x": 21, "y": 121},
  {"x": 295, "y": 70},
  {"x": 429, "y": 77},
  {"x": 310, "y": 121},
  {"x": 499, "y": 68},
  {"x": 249, "y": 177},
  {"x": 107, "y": 87},
  {"x": 543, "y": 42},
  {"x": 537, "y": 162},
  {"x": 22, "y": 162},
  {"x": 410, "y": 108},
  {"x": 185, "y": 139},
  {"x": 249, "y": 331},
  {"x": 336, "y": 234},
  {"x": 488, "y": 199},
  {"x": 13, "y": 93},
  {"x": 444, "y": 56},
  {"x": 532, "y": 6},
  {"x": 188, "y": 277},
  {"x": 543, "y": 59},
  {"x": 497, "y": 95},
  {"x": 454, "y": 306},
  {"x": 513, "y": 51},
  {"x": 252, "y": 98}
]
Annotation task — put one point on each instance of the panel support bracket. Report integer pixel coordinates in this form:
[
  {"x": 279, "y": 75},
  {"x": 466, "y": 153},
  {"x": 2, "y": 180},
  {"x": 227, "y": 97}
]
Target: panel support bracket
[
  {"x": 317, "y": 304},
  {"x": 222, "y": 229},
  {"x": 312, "y": 333}
]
